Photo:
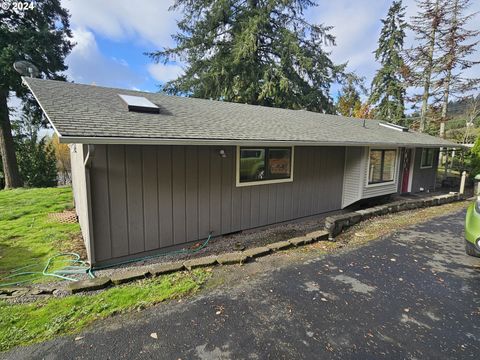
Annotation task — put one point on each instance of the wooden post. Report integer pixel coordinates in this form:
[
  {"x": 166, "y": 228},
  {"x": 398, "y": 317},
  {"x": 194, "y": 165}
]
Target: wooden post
[{"x": 462, "y": 182}]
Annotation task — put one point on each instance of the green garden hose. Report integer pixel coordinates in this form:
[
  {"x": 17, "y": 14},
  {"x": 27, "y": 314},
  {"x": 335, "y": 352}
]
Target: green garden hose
[
  {"x": 174, "y": 252},
  {"x": 78, "y": 266}
]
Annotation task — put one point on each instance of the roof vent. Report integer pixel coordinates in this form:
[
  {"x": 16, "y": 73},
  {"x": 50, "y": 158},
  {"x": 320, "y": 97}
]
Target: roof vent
[
  {"x": 140, "y": 104},
  {"x": 394, "y": 127}
]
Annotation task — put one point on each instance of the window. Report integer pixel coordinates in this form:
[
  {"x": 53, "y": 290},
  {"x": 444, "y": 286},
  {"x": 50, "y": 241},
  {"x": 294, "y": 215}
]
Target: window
[
  {"x": 264, "y": 164},
  {"x": 427, "y": 158},
  {"x": 382, "y": 166}
]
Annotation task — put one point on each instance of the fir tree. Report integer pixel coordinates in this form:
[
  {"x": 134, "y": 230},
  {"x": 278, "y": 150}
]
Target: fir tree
[
  {"x": 424, "y": 58},
  {"x": 40, "y": 34},
  {"x": 457, "y": 46},
  {"x": 252, "y": 51},
  {"x": 349, "y": 102},
  {"x": 388, "y": 89}
]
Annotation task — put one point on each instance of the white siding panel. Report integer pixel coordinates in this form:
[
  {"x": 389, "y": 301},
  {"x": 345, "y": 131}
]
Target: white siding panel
[
  {"x": 79, "y": 186},
  {"x": 370, "y": 191},
  {"x": 353, "y": 179},
  {"x": 355, "y": 183}
]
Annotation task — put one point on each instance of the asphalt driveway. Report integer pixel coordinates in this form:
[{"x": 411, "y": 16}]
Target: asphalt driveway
[{"x": 412, "y": 295}]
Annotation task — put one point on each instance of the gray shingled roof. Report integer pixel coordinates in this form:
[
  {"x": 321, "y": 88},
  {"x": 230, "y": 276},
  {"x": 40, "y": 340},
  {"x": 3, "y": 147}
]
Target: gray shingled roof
[{"x": 94, "y": 114}]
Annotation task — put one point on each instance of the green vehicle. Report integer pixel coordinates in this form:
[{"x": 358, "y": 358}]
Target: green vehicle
[
  {"x": 472, "y": 229},
  {"x": 252, "y": 164}
]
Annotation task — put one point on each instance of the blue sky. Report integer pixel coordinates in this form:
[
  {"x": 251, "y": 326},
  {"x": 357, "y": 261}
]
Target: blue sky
[{"x": 112, "y": 35}]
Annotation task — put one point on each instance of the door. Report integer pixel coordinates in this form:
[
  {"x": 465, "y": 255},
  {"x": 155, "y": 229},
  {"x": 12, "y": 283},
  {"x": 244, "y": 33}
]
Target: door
[{"x": 406, "y": 178}]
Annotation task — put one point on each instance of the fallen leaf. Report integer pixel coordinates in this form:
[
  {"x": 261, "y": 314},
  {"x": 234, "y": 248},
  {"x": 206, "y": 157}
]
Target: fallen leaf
[
  {"x": 323, "y": 299},
  {"x": 154, "y": 335},
  {"x": 78, "y": 338},
  {"x": 406, "y": 309}
]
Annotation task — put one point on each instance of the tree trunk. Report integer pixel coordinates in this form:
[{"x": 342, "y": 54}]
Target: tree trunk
[
  {"x": 450, "y": 62},
  {"x": 7, "y": 148},
  {"x": 428, "y": 71}
]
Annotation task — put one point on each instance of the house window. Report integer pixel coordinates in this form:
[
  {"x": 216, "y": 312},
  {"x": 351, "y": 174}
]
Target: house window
[
  {"x": 427, "y": 158},
  {"x": 257, "y": 165},
  {"x": 382, "y": 166}
]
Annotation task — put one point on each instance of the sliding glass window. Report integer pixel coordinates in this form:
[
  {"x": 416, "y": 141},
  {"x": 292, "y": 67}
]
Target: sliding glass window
[
  {"x": 264, "y": 164},
  {"x": 382, "y": 166}
]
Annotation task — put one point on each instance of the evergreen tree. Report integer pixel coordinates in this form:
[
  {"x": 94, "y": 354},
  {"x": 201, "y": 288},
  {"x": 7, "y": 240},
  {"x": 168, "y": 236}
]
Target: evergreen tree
[
  {"x": 40, "y": 34},
  {"x": 429, "y": 26},
  {"x": 36, "y": 157},
  {"x": 457, "y": 46},
  {"x": 253, "y": 51},
  {"x": 388, "y": 88},
  {"x": 349, "y": 102}
]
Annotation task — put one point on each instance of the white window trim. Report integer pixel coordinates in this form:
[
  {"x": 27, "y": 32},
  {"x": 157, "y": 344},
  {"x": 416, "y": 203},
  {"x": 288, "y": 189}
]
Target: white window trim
[
  {"x": 395, "y": 174},
  {"x": 412, "y": 166},
  {"x": 421, "y": 159},
  {"x": 263, "y": 182}
]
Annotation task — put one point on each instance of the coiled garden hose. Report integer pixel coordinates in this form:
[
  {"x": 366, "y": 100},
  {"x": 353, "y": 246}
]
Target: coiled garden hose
[{"x": 78, "y": 266}]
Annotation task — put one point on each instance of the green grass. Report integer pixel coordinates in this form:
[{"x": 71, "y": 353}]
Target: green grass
[
  {"x": 26, "y": 234},
  {"x": 42, "y": 320}
]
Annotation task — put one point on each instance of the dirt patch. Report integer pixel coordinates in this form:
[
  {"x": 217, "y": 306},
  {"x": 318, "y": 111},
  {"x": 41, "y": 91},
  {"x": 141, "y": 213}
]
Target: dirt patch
[
  {"x": 64, "y": 217},
  {"x": 234, "y": 242},
  {"x": 74, "y": 244}
]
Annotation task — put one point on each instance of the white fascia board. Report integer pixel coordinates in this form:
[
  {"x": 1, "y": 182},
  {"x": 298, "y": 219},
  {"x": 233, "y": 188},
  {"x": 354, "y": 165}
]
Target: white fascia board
[
  {"x": 220, "y": 142},
  {"x": 43, "y": 110}
]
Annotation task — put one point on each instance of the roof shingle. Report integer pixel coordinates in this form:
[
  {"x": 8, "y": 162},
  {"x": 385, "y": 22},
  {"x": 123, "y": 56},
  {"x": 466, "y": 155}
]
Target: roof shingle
[{"x": 85, "y": 113}]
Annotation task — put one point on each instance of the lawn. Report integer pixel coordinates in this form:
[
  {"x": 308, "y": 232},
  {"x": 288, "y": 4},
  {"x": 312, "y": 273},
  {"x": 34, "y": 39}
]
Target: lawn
[
  {"x": 27, "y": 235},
  {"x": 44, "y": 319}
]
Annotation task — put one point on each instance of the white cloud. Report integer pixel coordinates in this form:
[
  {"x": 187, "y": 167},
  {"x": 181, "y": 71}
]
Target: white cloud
[
  {"x": 164, "y": 73},
  {"x": 14, "y": 106},
  {"x": 357, "y": 27},
  {"x": 146, "y": 21},
  {"x": 88, "y": 65}
]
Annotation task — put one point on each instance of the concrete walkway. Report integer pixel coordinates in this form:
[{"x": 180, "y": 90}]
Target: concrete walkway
[{"x": 413, "y": 295}]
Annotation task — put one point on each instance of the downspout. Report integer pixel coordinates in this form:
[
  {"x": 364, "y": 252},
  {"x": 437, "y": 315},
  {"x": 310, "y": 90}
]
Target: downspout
[
  {"x": 87, "y": 164},
  {"x": 90, "y": 155}
]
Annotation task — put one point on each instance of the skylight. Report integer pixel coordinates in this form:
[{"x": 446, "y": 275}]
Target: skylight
[
  {"x": 394, "y": 127},
  {"x": 140, "y": 104}
]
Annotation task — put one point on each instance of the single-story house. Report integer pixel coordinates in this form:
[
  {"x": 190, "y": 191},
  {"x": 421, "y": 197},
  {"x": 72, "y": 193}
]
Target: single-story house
[{"x": 153, "y": 172}]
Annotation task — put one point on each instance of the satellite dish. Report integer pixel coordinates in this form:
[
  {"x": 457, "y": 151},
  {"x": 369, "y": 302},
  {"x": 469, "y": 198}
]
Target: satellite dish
[{"x": 25, "y": 68}]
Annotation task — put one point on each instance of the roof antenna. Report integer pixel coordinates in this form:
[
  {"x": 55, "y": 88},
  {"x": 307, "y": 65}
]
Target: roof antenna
[{"x": 26, "y": 68}]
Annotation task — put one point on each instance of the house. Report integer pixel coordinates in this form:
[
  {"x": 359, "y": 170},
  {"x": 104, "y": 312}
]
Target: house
[{"x": 152, "y": 171}]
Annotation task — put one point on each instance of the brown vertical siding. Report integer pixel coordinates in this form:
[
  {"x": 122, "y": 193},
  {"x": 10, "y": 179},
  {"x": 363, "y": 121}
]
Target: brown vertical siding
[
  {"x": 150, "y": 197},
  {"x": 424, "y": 178},
  {"x": 135, "y": 201},
  {"x": 165, "y": 199}
]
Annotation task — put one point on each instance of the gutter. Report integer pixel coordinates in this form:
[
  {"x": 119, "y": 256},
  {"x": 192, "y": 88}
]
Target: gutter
[{"x": 231, "y": 142}]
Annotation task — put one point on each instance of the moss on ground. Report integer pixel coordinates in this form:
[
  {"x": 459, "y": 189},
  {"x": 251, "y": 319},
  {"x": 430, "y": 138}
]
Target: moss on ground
[
  {"x": 42, "y": 320},
  {"x": 27, "y": 235}
]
